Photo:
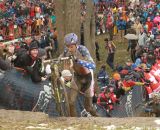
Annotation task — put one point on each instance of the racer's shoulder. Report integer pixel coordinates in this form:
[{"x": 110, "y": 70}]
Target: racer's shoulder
[{"x": 82, "y": 48}]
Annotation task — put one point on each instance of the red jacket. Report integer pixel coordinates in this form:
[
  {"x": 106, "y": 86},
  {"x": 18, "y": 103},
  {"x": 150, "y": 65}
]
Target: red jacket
[
  {"x": 150, "y": 77},
  {"x": 109, "y": 22},
  {"x": 150, "y": 25},
  {"x": 105, "y": 102},
  {"x": 2, "y": 6},
  {"x": 113, "y": 97},
  {"x": 156, "y": 74},
  {"x": 32, "y": 11}
]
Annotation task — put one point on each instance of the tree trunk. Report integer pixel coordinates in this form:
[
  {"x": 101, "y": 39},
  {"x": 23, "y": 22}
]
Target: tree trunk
[
  {"x": 89, "y": 28},
  {"x": 60, "y": 16},
  {"x": 68, "y": 19}
]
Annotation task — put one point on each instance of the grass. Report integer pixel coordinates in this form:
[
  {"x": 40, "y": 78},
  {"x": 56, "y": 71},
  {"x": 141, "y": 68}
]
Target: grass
[{"x": 121, "y": 55}]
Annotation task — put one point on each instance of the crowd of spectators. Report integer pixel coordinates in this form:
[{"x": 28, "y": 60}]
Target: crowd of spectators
[
  {"x": 25, "y": 18},
  {"x": 140, "y": 19}
]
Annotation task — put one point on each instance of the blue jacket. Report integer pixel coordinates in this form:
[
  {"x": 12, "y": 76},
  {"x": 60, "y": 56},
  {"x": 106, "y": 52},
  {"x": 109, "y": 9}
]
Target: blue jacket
[
  {"x": 158, "y": 6},
  {"x": 145, "y": 15},
  {"x": 121, "y": 24},
  {"x": 102, "y": 74},
  {"x": 154, "y": 31}
]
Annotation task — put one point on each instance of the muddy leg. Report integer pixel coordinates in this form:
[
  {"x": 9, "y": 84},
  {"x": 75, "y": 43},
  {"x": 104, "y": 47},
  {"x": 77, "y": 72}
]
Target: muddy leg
[
  {"x": 88, "y": 104},
  {"x": 72, "y": 97}
]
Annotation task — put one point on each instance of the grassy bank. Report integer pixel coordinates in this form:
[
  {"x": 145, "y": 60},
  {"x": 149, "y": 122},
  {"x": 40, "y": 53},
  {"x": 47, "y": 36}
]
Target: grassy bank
[{"x": 121, "y": 51}]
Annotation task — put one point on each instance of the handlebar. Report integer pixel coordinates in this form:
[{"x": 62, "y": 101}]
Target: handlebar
[
  {"x": 57, "y": 60},
  {"x": 65, "y": 58}
]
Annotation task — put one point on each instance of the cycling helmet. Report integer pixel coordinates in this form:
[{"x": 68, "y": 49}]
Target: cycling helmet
[{"x": 71, "y": 39}]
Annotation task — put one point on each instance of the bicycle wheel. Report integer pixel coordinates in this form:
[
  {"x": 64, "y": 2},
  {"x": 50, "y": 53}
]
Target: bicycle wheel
[{"x": 63, "y": 99}]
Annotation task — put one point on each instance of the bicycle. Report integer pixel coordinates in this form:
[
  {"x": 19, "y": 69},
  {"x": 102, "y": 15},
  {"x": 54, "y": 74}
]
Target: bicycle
[
  {"x": 77, "y": 69},
  {"x": 59, "y": 89}
]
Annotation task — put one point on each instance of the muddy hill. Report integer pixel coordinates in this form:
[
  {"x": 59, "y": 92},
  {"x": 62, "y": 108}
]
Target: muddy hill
[{"x": 21, "y": 120}]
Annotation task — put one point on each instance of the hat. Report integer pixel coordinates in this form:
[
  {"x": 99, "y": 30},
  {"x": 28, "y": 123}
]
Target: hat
[
  {"x": 66, "y": 73},
  {"x": 33, "y": 45},
  {"x": 71, "y": 39},
  {"x": 116, "y": 76}
]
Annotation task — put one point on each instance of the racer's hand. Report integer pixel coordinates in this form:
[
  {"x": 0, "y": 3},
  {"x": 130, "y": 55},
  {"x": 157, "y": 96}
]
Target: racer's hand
[{"x": 74, "y": 58}]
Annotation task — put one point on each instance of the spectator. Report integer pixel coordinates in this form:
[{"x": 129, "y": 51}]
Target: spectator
[
  {"x": 97, "y": 51},
  {"x": 55, "y": 36},
  {"x": 104, "y": 104},
  {"x": 149, "y": 24},
  {"x": 66, "y": 78},
  {"x": 137, "y": 26},
  {"x": 142, "y": 38},
  {"x": 30, "y": 62},
  {"x": 103, "y": 77},
  {"x": 110, "y": 25},
  {"x": 133, "y": 44},
  {"x": 121, "y": 24},
  {"x": 111, "y": 51}
]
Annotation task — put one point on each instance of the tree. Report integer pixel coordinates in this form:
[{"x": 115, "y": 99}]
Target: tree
[
  {"x": 68, "y": 19},
  {"x": 89, "y": 28}
]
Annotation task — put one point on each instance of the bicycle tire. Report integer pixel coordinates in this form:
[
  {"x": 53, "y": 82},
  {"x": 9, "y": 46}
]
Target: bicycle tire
[
  {"x": 64, "y": 104},
  {"x": 60, "y": 92}
]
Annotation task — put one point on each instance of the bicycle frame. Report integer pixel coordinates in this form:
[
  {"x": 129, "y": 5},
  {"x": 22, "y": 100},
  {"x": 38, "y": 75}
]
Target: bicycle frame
[{"x": 59, "y": 90}]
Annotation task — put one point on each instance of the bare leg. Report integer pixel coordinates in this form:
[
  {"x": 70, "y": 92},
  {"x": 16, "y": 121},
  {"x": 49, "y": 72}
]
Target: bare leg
[{"x": 72, "y": 97}]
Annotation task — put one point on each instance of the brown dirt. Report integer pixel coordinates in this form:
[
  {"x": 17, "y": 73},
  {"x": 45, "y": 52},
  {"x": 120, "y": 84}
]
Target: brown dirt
[{"x": 20, "y": 120}]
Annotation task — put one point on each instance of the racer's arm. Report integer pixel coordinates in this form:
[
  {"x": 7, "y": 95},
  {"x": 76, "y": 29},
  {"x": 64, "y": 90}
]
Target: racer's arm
[
  {"x": 87, "y": 61},
  {"x": 89, "y": 65}
]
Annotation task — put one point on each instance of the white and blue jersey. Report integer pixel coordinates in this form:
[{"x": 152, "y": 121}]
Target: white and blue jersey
[{"x": 87, "y": 60}]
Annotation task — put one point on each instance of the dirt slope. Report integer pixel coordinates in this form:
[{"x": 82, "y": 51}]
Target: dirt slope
[{"x": 20, "y": 120}]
